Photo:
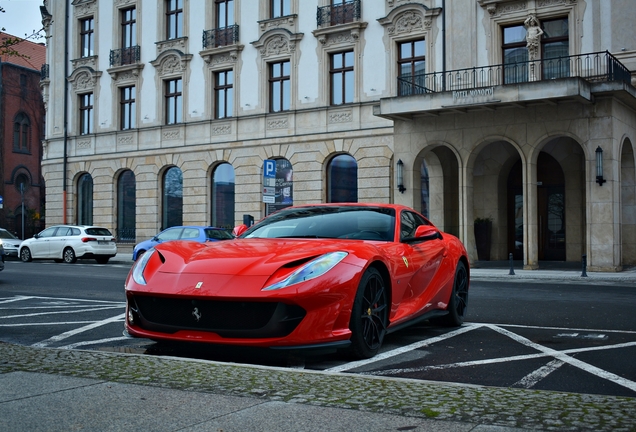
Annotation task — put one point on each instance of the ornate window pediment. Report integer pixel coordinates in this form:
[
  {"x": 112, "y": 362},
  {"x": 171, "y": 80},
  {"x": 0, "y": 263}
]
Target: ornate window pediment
[
  {"x": 277, "y": 42},
  {"x": 343, "y": 33},
  {"x": 84, "y": 79},
  {"x": 409, "y": 18},
  {"x": 288, "y": 23},
  {"x": 171, "y": 63},
  {"x": 82, "y": 8}
]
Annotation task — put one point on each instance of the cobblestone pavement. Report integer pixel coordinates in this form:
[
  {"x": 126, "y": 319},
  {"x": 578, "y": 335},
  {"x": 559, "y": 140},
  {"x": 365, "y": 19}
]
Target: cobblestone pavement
[{"x": 505, "y": 407}]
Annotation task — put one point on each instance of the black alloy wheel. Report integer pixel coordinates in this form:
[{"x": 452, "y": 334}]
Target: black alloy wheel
[
  {"x": 459, "y": 298},
  {"x": 369, "y": 315}
]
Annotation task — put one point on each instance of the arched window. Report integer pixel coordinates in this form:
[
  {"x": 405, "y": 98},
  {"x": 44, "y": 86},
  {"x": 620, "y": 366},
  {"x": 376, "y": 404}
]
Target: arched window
[
  {"x": 85, "y": 200},
  {"x": 425, "y": 199},
  {"x": 223, "y": 196},
  {"x": 284, "y": 189},
  {"x": 126, "y": 207},
  {"x": 342, "y": 179},
  {"x": 172, "y": 214},
  {"x": 21, "y": 130}
]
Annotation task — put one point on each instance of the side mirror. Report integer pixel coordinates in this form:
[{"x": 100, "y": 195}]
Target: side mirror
[
  {"x": 36, "y": 236},
  {"x": 239, "y": 229},
  {"x": 427, "y": 232}
]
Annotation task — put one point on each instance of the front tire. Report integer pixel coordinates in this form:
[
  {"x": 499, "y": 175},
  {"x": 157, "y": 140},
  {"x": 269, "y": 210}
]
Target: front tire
[
  {"x": 69, "y": 256},
  {"x": 25, "y": 255},
  {"x": 459, "y": 298},
  {"x": 369, "y": 315}
]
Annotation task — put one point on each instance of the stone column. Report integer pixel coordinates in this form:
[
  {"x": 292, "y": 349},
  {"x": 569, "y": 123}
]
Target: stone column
[{"x": 530, "y": 219}]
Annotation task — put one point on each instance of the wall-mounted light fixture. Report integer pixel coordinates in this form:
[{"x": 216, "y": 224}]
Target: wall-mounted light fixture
[
  {"x": 599, "y": 166},
  {"x": 400, "y": 176}
]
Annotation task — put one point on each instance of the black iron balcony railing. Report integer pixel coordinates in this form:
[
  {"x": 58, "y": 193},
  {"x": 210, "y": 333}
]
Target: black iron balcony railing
[
  {"x": 125, "y": 56},
  {"x": 338, "y": 14},
  {"x": 44, "y": 72},
  {"x": 600, "y": 66},
  {"x": 221, "y": 36},
  {"x": 126, "y": 235}
]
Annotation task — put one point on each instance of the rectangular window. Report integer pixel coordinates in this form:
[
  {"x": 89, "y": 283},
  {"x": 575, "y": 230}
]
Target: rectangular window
[
  {"x": 515, "y": 55},
  {"x": 86, "y": 113},
  {"x": 128, "y": 28},
  {"x": 87, "y": 37},
  {"x": 174, "y": 101},
  {"x": 224, "y": 13},
  {"x": 280, "y": 8},
  {"x": 223, "y": 94},
  {"x": 412, "y": 67},
  {"x": 555, "y": 48},
  {"x": 341, "y": 77},
  {"x": 279, "y": 86},
  {"x": 174, "y": 19},
  {"x": 127, "y": 107}
]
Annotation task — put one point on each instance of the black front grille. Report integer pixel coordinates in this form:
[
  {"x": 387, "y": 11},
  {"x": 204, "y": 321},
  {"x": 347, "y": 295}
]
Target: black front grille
[{"x": 230, "y": 319}]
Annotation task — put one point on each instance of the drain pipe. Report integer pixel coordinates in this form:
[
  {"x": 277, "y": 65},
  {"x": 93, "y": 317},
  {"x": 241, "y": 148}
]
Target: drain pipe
[
  {"x": 444, "y": 44},
  {"x": 65, "y": 163}
]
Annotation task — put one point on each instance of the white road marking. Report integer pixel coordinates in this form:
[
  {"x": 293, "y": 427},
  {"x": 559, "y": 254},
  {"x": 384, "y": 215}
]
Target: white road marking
[
  {"x": 567, "y": 359},
  {"x": 93, "y": 342},
  {"x": 534, "y": 377},
  {"x": 15, "y": 299},
  {"x": 388, "y": 354},
  {"x": 495, "y": 360},
  {"x": 46, "y": 323},
  {"x": 62, "y": 312},
  {"x": 78, "y": 331}
]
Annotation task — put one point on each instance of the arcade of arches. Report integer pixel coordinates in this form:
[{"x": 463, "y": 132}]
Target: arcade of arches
[{"x": 543, "y": 200}]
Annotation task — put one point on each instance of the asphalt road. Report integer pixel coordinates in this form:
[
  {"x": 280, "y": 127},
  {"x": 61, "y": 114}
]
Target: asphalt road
[{"x": 564, "y": 337}]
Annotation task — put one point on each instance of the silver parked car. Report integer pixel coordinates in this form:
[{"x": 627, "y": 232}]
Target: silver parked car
[
  {"x": 68, "y": 243},
  {"x": 10, "y": 243}
]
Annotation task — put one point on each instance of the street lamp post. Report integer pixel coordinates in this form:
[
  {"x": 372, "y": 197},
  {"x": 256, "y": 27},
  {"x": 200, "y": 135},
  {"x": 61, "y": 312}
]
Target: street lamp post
[{"x": 22, "y": 210}]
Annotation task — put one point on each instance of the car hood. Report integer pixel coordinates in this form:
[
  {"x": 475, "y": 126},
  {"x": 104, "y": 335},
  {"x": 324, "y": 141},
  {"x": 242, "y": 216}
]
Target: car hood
[{"x": 255, "y": 257}]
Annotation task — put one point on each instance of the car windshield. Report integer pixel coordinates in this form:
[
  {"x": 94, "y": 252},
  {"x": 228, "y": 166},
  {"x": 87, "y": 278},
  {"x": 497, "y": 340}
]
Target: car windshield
[
  {"x": 218, "y": 234},
  {"x": 4, "y": 234},
  {"x": 98, "y": 231},
  {"x": 343, "y": 222}
]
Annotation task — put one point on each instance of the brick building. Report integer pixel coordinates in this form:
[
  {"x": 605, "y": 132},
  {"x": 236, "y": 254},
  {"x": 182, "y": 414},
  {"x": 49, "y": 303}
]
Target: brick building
[{"x": 22, "y": 130}]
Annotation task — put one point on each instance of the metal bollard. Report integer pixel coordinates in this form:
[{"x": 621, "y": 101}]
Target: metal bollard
[
  {"x": 512, "y": 270},
  {"x": 584, "y": 265}
]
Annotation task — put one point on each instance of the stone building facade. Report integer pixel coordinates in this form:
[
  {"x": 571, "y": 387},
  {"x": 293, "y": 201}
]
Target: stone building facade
[{"x": 463, "y": 109}]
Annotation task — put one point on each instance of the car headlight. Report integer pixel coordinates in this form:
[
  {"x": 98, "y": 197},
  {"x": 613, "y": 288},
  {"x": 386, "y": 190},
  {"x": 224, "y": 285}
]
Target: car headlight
[
  {"x": 311, "y": 270},
  {"x": 140, "y": 266}
]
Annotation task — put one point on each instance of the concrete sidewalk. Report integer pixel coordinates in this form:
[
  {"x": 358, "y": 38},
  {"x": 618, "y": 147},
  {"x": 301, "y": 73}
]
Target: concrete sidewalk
[{"x": 45, "y": 389}]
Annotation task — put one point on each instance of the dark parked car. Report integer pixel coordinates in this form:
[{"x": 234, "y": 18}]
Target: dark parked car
[{"x": 199, "y": 234}]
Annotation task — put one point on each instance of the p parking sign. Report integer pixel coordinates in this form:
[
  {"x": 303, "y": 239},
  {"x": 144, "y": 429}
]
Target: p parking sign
[{"x": 269, "y": 180}]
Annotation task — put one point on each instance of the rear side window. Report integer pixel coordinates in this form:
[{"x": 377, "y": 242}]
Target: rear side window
[
  {"x": 75, "y": 231},
  {"x": 64, "y": 231},
  {"x": 98, "y": 231},
  {"x": 218, "y": 234},
  {"x": 190, "y": 233}
]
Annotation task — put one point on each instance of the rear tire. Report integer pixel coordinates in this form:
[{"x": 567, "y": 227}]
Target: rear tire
[
  {"x": 459, "y": 298},
  {"x": 69, "y": 256},
  {"x": 25, "y": 255},
  {"x": 369, "y": 315}
]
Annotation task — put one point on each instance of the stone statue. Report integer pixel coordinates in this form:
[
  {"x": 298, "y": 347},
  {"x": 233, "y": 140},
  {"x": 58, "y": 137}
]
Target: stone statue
[{"x": 533, "y": 36}]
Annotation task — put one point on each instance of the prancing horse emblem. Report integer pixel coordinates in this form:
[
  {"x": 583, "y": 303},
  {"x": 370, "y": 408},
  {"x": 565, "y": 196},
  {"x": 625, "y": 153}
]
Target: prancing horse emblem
[{"x": 196, "y": 314}]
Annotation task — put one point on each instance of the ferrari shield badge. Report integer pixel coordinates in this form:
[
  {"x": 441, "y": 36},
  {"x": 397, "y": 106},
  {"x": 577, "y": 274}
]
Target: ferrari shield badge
[
  {"x": 406, "y": 262},
  {"x": 198, "y": 285}
]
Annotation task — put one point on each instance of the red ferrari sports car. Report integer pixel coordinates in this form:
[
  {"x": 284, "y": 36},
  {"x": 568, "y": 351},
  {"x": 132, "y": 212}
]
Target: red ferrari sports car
[{"x": 315, "y": 276}]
